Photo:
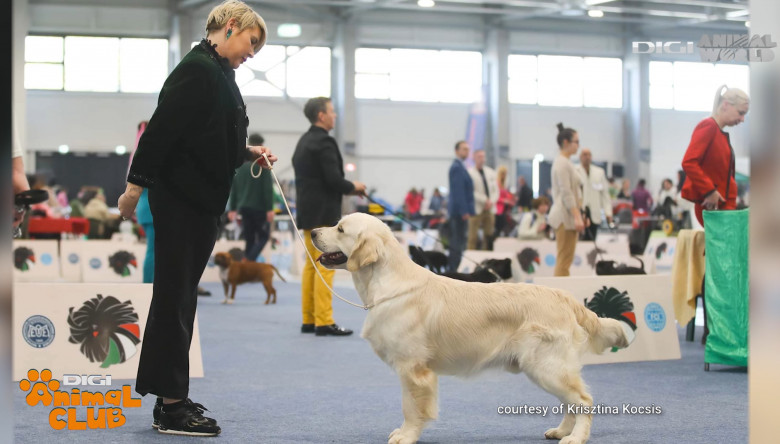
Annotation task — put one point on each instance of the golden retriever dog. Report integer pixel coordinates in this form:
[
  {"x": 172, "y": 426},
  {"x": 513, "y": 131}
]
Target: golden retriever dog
[
  {"x": 233, "y": 273},
  {"x": 424, "y": 325}
]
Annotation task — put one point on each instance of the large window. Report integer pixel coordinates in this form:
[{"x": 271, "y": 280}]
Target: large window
[
  {"x": 690, "y": 86},
  {"x": 102, "y": 64},
  {"x": 565, "y": 81},
  {"x": 297, "y": 71},
  {"x": 418, "y": 75}
]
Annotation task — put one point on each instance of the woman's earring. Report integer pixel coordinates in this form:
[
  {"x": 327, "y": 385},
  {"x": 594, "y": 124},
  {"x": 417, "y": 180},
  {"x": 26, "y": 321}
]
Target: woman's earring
[{"x": 230, "y": 31}]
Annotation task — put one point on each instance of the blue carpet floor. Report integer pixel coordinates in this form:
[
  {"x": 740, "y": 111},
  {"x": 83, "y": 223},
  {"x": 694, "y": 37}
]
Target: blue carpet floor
[{"x": 265, "y": 382}]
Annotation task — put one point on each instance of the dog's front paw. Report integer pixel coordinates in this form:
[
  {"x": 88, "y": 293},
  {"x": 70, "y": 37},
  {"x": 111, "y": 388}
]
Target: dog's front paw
[
  {"x": 399, "y": 437},
  {"x": 554, "y": 433},
  {"x": 571, "y": 440}
]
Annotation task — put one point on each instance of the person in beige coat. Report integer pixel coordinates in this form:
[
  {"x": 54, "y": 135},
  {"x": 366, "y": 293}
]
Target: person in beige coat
[
  {"x": 485, "y": 196},
  {"x": 595, "y": 193},
  {"x": 565, "y": 215}
]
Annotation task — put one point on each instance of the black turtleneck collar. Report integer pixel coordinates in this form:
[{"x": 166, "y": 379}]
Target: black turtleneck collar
[{"x": 211, "y": 50}]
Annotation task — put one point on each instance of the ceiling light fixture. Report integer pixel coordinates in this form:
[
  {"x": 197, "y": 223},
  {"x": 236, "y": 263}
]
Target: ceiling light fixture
[
  {"x": 595, "y": 13},
  {"x": 120, "y": 149},
  {"x": 63, "y": 149},
  {"x": 426, "y": 3}
]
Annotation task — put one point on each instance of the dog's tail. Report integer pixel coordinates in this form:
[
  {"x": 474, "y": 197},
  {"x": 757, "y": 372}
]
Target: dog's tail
[
  {"x": 603, "y": 333},
  {"x": 277, "y": 273}
]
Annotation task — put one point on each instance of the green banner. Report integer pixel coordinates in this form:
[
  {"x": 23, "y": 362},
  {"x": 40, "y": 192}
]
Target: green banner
[{"x": 726, "y": 286}]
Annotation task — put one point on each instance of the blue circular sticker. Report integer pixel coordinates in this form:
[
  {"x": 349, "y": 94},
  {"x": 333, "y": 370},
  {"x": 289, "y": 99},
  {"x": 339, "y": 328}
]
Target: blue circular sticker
[
  {"x": 95, "y": 263},
  {"x": 73, "y": 258},
  {"x": 38, "y": 331},
  {"x": 211, "y": 263},
  {"x": 46, "y": 259},
  {"x": 577, "y": 261},
  {"x": 550, "y": 260},
  {"x": 655, "y": 316}
]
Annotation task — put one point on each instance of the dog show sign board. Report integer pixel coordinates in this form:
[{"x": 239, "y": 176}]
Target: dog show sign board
[
  {"x": 36, "y": 261},
  {"x": 71, "y": 259},
  {"x": 537, "y": 258},
  {"x": 613, "y": 243},
  {"x": 109, "y": 261},
  {"x": 643, "y": 304},
  {"x": 660, "y": 249},
  {"x": 279, "y": 250},
  {"x": 84, "y": 329},
  {"x": 467, "y": 264}
]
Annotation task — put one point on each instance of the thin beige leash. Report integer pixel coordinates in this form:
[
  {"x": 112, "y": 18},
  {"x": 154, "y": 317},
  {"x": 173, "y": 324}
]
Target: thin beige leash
[{"x": 298, "y": 232}]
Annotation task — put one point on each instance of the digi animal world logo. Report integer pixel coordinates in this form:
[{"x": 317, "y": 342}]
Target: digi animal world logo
[{"x": 104, "y": 410}]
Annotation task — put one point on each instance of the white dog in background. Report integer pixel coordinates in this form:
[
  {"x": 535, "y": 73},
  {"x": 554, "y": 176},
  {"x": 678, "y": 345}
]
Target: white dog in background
[{"x": 424, "y": 325}]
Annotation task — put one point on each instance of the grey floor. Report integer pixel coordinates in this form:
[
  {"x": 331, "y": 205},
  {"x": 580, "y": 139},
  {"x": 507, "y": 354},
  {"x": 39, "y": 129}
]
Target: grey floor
[{"x": 267, "y": 383}]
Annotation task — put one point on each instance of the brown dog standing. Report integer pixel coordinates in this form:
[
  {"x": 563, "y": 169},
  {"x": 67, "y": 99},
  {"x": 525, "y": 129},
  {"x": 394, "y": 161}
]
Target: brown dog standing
[{"x": 234, "y": 273}]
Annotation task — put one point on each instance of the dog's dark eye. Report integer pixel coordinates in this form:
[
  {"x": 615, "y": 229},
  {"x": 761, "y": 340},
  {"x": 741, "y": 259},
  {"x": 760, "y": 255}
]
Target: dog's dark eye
[{"x": 341, "y": 230}]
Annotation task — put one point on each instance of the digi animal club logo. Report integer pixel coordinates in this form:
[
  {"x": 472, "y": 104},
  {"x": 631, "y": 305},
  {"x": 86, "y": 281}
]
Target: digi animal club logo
[
  {"x": 660, "y": 250},
  {"x": 106, "y": 329},
  {"x": 527, "y": 258},
  {"x": 123, "y": 263},
  {"x": 103, "y": 410},
  {"x": 24, "y": 258},
  {"x": 612, "y": 303}
]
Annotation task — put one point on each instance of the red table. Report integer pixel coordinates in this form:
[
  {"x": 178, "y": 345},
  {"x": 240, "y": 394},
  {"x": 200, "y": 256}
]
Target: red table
[{"x": 41, "y": 225}]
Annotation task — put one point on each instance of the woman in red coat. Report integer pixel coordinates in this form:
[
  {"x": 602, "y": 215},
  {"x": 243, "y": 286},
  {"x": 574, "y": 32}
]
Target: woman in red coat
[{"x": 709, "y": 160}]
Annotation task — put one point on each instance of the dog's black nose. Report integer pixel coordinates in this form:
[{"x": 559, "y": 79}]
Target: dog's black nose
[{"x": 313, "y": 234}]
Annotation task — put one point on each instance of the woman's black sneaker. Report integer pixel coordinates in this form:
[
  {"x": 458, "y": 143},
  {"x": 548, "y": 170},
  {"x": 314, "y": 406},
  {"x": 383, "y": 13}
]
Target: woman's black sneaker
[
  {"x": 186, "y": 418},
  {"x": 156, "y": 413}
]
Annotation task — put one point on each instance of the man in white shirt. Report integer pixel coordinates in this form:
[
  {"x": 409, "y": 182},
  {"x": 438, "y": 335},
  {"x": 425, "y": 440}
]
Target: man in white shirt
[
  {"x": 485, "y": 196},
  {"x": 595, "y": 193}
]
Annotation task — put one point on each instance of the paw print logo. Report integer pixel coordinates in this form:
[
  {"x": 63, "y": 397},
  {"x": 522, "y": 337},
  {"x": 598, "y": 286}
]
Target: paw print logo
[{"x": 41, "y": 389}]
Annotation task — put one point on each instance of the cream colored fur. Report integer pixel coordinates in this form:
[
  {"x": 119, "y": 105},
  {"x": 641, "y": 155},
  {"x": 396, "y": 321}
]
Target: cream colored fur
[{"x": 424, "y": 325}]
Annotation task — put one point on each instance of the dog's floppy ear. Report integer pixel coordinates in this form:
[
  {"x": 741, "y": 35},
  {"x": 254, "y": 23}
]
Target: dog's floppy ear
[{"x": 366, "y": 252}]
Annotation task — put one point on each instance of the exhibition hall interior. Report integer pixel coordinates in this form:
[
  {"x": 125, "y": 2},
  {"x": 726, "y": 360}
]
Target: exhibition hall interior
[{"x": 369, "y": 221}]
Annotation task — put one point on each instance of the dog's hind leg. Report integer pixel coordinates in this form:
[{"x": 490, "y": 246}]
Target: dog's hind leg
[
  {"x": 420, "y": 403},
  {"x": 270, "y": 293},
  {"x": 567, "y": 385}
]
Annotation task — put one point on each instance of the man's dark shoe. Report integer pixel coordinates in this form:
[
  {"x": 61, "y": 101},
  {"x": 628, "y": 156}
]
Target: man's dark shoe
[
  {"x": 203, "y": 292},
  {"x": 307, "y": 328},
  {"x": 332, "y": 330},
  {"x": 186, "y": 418},
  {"x": 156, "y": 413}
]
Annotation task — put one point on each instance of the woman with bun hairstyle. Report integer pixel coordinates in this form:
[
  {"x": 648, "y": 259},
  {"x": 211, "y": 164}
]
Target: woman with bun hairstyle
[{"x": 565, "y": 215}]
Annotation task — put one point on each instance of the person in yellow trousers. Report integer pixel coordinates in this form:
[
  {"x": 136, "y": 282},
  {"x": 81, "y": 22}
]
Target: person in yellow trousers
[{"x": 319, "y": 184}]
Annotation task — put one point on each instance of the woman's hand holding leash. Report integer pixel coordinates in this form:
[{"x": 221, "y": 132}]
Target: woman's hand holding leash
[
  {"x": 263, "y": 157},
  {"x": 258, "y": 152}
]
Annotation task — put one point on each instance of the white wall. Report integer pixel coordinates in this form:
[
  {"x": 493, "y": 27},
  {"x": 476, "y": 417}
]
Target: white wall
[
  {"x": 533, "y": 131},
  {"x": 404, "y": 145}
]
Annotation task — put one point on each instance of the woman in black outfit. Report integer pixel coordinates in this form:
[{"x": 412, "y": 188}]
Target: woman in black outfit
[{"x": 187, "y": 156}]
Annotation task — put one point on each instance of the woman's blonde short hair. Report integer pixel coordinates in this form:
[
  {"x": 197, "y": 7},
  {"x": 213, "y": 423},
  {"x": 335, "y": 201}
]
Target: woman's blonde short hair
[
  {"x": 734, "y": 96},
  {"x": 246, "y": 17}
]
